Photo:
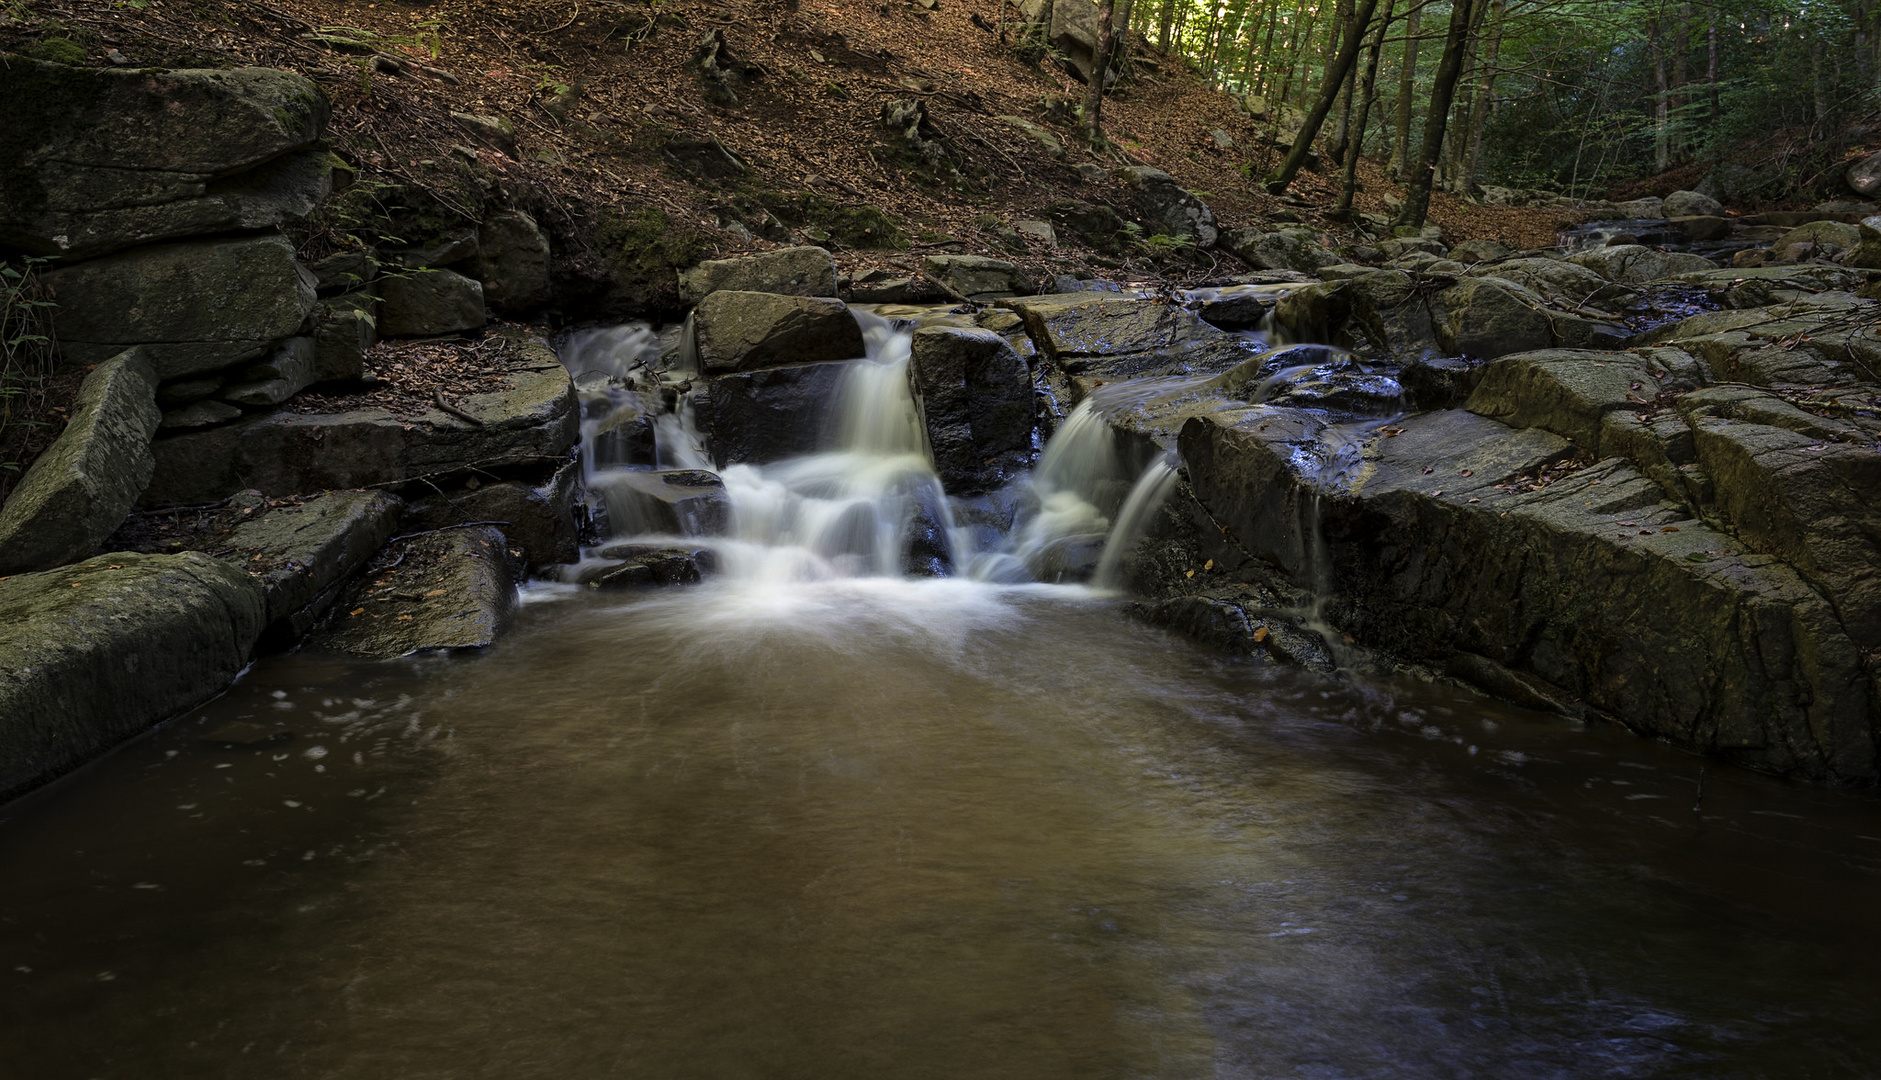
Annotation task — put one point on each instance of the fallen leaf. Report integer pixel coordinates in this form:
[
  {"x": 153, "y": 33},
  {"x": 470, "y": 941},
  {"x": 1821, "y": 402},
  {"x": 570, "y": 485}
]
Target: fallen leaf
[
  {"x": 1469, "y": 472},
  {"x": 357, "y": 611},
  {"x": 1349, "y": 639},
  {"x": 1476, "y": 500},
  {"x": 1428, "y": 470},
  {"x": 1670, "y": 528},
  {"x": 404, "y": 618},
  {"x": 1209, "y": 565},
  {"x": 436, "y": 592},
  {"x": 1190, "y": 574},
  {"x": 1436, "y": 493},
  {"x": 1629, "y": 524},
  {"x": 1260, "y": 634}
]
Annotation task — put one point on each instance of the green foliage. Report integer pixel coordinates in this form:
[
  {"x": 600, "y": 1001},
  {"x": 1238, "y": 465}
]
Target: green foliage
[{"x": 57, "y": 50}]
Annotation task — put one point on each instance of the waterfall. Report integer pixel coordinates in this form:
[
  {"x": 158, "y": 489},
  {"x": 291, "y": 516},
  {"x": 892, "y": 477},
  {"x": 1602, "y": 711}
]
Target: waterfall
[{"x": 1145, "y": 498}]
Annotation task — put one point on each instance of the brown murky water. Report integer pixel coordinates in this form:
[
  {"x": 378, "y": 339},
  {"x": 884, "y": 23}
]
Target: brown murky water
[{"x": 878, "y": 828}]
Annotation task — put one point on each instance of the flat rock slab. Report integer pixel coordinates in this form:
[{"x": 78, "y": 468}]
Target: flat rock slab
[
  {"x": 745, "y": 331},
  {"x": 626, "y": 566},
  {"x": 301, "y": 551},
  {"x": 445, "y": 590},
  {"x": 93, "y": 653},
  {"x": 534, "y": 420},
  {"x": 80, "y": 489},
  {"x": 1594, "y": 584},
  {"x": 793, "y": 271}
]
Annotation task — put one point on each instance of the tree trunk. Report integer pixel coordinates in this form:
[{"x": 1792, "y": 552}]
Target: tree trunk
[
  {"x": 1368, "y": 92},
  {"x": 1711, "y": 62},
  {"x": 1168, "y": 24},
  {"x": 1328, "y": 94},
  {"x": 1100, "y": 65},
  {"x": 1342, "y": 125},
  {"x": 1479, "y": 111},
  {"x": 1662, "y": 132},
  {"x": 1442, "y": 90},
  {"x": 1407, "y": 82}
]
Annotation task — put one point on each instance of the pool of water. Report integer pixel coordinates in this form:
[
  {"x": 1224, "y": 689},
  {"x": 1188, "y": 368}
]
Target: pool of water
[{"x": 874, "y": 827}]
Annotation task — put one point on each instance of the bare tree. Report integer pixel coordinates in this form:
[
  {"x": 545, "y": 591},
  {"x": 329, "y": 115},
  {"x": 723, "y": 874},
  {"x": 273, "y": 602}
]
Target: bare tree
[
  {"x": 1407, "y": 82},
  {"x": 1328, "y": 96},
  {"x": 1100, "y": 66},
  {"x": 1442, "y": 92}
]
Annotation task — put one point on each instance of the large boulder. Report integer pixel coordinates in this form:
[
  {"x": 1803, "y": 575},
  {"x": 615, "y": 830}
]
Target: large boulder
[
  {"x": 1691, "y": 204},
  {"x": 428, "y": 303},
  {"x": 1278, "y": 250},
  {"x": 533, "y": 420},
  {"x": 1567, "y": 391},
  {"x": 538, "y": 516},
  {"x": 680, "y": 502},
  {"x": 512, "y": 262},
  {"x": 446, "y": 590},
  {"x": 1556, "y": 280},
  {"x": 769, "y": 414},
  {"x": 1594, "y": 587},
  {"x": 80, "y": 489},
  {"x": 1841, "y": 234},
  {"x": 1864, "y": 177},
  {"x": 100, "y": 160},
  {"x": 1166, "y": 208},
  {"x": 94, "y": 653},
  {"x": 794, "y": 271},
  {"x": 1633, "y": 263},
  {"x": 301, "y": 552},
  {"x": 195, "y": 306},
  {"x": 285, "y": 372},
  {"x": 744, "y": 331},
  {"x": 1099, "y": 338},
  {"x": 976, "y": 400}
]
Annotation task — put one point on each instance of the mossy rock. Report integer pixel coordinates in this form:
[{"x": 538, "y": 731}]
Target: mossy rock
[
  {"x": 645, "y": 249},
  {"x": 860, "y": 227},
  {"x": 57, "y": 50}
]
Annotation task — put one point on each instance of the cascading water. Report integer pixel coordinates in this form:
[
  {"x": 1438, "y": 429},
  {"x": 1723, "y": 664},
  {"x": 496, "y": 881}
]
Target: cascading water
[{"x": 870, "y": 504}]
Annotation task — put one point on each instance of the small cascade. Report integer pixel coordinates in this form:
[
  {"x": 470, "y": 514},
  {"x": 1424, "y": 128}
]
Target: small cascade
[{"x": 1146, "y": 497}]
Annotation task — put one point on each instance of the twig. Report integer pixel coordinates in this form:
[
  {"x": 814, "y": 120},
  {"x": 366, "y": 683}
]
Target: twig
[{"x": 442, "y": 528}]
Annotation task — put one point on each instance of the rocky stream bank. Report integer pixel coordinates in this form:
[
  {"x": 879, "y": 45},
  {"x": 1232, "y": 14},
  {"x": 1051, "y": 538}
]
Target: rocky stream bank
[{"x": 1616, "y": 481}]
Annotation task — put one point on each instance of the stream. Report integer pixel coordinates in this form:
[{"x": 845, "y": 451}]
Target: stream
[{"x": 822, "y": 817}]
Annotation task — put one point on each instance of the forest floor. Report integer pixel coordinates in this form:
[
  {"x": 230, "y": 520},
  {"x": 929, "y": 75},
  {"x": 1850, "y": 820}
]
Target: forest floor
[{"x": 593, "y": 88}]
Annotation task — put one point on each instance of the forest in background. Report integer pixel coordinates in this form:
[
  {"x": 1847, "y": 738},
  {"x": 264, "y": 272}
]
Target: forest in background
[{"x": 1576, "y": 96}]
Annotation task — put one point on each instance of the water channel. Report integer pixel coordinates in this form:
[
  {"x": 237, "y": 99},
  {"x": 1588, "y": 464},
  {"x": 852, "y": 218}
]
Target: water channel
[{"x": 815, "y": 818}]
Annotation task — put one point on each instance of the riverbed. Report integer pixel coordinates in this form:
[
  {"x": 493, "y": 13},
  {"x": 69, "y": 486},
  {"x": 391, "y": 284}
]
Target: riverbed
[{"x": 877, "y": 827}]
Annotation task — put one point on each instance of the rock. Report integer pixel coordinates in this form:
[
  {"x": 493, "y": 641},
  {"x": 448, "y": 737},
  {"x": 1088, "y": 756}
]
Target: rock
[
  {"x": 286, "y": 372},
  {"x": 1042, "y": 136},
  {"x": 95, "y": 653},
  {"x": 1647, "y": 209},
  {"x": 512, "y": 262},
  {"x": 1230, "y": 620},
  {"x": 344, "y": 330},
  {"x": 723, "y": 75},
  {"x": 451, "y": 249},
  {"x": 1037, "y": 231},
  {"x": 679, "y": 503},
  {"x": 533, "y": 421},
  {"x": 1864, "y": 177},
  {"x": 81, "y": 488},
  {"x": 301, "y": 553},
  {"x": 200, "y": 414},
  {"x": 913, "y": 141},
  {"x": 640, "y": 564},
  {"x": 196, "y": 306},
  {"x": 1440, "y": 382},
  {"x": 1099, "y": 225},
  {"x": 345, "y": 272},
  {"x": 767, "y": 415},
  {"x": 101, "y": 160},
  {"x": 538, "y": 518},
  {"x": 703, "y": 156},
  {"x": 1566, "y": 391},
  {"x": 976, "y": 400},
  {"x": 1691, "y": 204},
  {"x": 1104, "y": 337},
  {"x": 1631, "y": 263},
  {"x": 744, "y": 331},
  {"x": 1826, "y": 343},
  {"x": 1277, "y": 251},
  {"x": 1821, "y": 232},
  {"x": 1485, "y": 318},
  {"x": 1658, "y": 625},
  {"x": 443, "y": 590},
  {"x": 492, "y": 131},
  {"x": 1702, "y": 230},
  {"x": 1073, "y": 33},
  {"x": 1479, "y": 251},
  {"x": 1556, "y": 280},
  {"x": 794, "y": 271},
  {"x": 429, "y": 303},
  {"x": 1752, "y": 287},
  {"x": 971, "y": 275},
  {"x": 1166, "y": 209},
  {"x": 1233, "y": 307}
]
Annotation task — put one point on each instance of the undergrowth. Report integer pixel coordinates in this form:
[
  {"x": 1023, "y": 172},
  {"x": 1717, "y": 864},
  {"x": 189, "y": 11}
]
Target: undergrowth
[{"x": 26, "y": 354}]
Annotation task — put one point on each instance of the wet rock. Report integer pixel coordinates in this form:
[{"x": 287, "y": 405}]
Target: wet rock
[
  {"x": 769, "y": 414},
  {"x": 1567, "y": 391},
  {"x": 1682, "y": 204},
  {"x": 1631, "y": 263},
  {"x": 512, "y": 262},
  {"x": 301, "y": 553},
  {"x": 344, "y": 330},
  {"x": 972, "y": 275},
  {"x": 794, "y": 271},
  {"x": 745, "y": 331},
  {"x": 1383, "y": 313},
  {"x": 883, "y": 287},
  {"x": 533, "y": 420},
  {"x": 976, "y": 400},
  {"x": 286, "y": 372},
  {"x": 537, "y": 517},
  {"x": 430, "y": 303},
  {"x": 94, "y": 653},
  {"x": 1440, "y": 382},
  {"x": 81, "y": 488},
  {"x": 1233, "y": 307},
  {"x": 1825, "y": 342},
  {"x": 1166, "y": 208},
  {"x": 631, "y": 565},
  {"x": 1659, "y": 621},
  {"x": 1099, "y": 338},
  {"x": 196, "y": 306},
  {"x": 1702, "y": 229},
  {"x": 444, "y": 590},
  {"x": 101, "y": 160},
  {"x": 1277, "y": 250},
  {"x": 677, "y": 503},
  {"x": 1234, "y": 622}
]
